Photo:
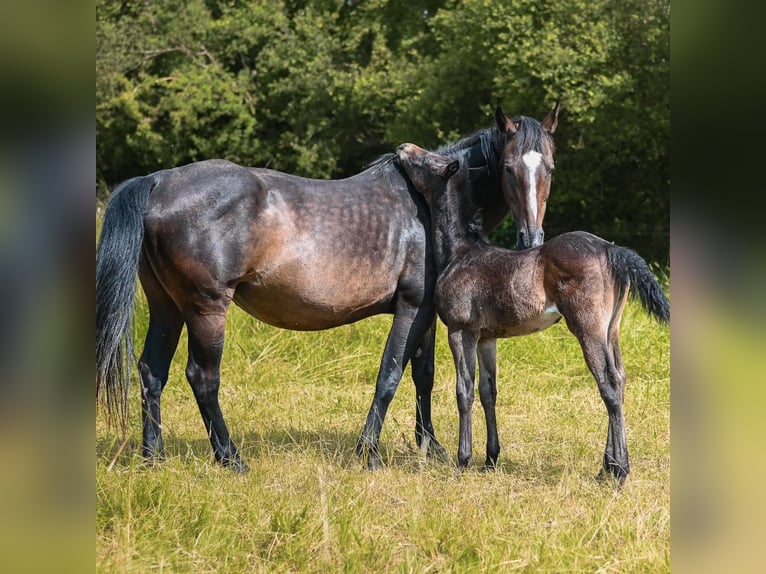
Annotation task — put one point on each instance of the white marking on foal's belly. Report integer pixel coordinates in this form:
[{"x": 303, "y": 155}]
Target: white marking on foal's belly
[{"x": 548, "y": 317}]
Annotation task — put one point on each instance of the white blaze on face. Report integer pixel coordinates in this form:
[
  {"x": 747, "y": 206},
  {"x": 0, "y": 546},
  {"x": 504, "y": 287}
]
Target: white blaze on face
[{"x": 532, "y": 161}]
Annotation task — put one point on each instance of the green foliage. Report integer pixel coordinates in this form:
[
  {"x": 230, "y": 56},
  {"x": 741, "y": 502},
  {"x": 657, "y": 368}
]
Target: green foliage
[{"x": 321, "y": 87}]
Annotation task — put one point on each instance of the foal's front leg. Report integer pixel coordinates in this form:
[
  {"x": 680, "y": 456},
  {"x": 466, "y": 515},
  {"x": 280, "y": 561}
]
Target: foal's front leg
[
  {"x": 463, "y": 346},
  {"x": 488, "y": 396}
]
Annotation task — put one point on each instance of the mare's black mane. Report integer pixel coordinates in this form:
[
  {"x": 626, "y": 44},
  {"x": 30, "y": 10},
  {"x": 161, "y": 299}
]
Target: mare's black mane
[
  {"x": 530, "y": 135},
  {"x": 483, "y": 147}
]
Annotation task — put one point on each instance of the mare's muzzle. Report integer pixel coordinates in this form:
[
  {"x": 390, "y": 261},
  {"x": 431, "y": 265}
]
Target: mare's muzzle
[{"x": 527, "y": 238}]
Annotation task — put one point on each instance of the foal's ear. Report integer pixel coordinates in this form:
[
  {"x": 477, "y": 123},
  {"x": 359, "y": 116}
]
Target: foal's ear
[
  {"x": 552, "y": 119},
  {"x": 503, "y": 122},
  {"x": 451, "y": 168}
]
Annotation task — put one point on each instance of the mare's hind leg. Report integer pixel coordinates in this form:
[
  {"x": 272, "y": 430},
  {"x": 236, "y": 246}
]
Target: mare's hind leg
[
  {"x": 409, "y": 326},
  {"x": 600, "y": 358},
  {"x": 423, "y": 377},
  {"x": 488, "y": 395},
  {"x": 206, "y": 334},
  {"x": 165, "y": 324}
]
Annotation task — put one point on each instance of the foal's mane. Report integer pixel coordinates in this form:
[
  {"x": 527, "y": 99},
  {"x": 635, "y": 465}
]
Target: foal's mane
[
  {"x": 381, "y": 161},
  {"x": 387, "y": 164}
]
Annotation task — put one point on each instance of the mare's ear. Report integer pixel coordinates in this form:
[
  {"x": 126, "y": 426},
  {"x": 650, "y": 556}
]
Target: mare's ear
[
  {"x": 475, "y": 173},
  {"x": 451, "y": 168},
  {"x": 552, "y": 119},
  {"x": 504, "y": 123}
]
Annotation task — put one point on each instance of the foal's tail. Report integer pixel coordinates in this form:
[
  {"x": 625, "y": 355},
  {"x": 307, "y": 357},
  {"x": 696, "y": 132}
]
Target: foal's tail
[
  {"x": 626, "y": 265},
  {"x": 117, "y": 256}
]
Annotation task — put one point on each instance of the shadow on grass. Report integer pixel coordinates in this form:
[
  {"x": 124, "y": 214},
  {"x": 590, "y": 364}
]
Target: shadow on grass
[{"x": 333, "y": 446}]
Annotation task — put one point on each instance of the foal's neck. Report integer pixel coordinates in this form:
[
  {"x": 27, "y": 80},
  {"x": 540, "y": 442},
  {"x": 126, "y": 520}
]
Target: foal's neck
[{"x": 451, "y": 211}]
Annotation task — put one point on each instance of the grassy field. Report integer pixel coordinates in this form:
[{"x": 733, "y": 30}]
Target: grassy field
[{"x": 295, "y": 403}]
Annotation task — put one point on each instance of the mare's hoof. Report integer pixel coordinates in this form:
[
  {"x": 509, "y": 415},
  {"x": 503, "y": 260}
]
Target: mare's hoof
[
  {"x": 373, "y": 462},
  {"x": 613, "y": 474},
  {"x": 236, "y": 465},
  {"x": 153, "y": 456},
  {"x": 437, "y": 451},
  {"x": 365, "y": 450},
  {"x": 458, "y": 472},
  {"x": 489, "y": 466}
]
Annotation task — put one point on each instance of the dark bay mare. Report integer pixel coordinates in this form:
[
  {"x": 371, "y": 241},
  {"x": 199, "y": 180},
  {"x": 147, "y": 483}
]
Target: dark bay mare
[
  {"x": 296, "y": 253},
  {"x": 484, "y": 293}
]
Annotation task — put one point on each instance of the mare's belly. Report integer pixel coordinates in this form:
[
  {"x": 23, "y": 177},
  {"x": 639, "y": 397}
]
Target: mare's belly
[{"x": 318, "y": 301}]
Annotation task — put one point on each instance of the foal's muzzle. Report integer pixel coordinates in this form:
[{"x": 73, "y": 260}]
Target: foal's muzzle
[{"x": 526, "y": 238}]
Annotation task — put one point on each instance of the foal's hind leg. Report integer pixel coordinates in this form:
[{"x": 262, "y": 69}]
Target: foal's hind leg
[
  {"x": 206, "y": 334},
  {"x": 600, "y": 358},
  {"x": 423, "y": 377},
  {"x": 165, "y": 324},
  {"x": 409, "y": 325}
]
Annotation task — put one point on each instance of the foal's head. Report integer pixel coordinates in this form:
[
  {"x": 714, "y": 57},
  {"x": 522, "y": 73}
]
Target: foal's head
[
  {"x": 428, "y": 171},
  {"x": 528, "y": 166}
]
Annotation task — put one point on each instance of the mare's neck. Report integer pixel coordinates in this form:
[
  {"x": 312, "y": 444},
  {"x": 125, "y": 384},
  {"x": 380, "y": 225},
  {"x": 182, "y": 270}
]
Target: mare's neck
[
  {"x": 451, "y": 213},
  {"x": 482, "y": 151}
]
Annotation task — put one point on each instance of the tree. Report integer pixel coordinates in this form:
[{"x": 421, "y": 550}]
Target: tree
[{"x": 321, "y": 87}]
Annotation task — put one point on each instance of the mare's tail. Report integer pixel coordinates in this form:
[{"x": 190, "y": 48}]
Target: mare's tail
[
  {"x": 627, "y": 265},
  {"x": 117, "y": 257}
]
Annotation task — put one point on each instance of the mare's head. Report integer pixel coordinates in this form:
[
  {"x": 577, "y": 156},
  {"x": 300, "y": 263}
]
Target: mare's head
[
  {"x": 429, "y": 172},
  {"x": 527, "y": 166}
]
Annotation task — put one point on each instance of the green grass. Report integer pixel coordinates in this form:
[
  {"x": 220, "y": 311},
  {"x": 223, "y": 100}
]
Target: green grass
[{"x": 295, "y": 404}]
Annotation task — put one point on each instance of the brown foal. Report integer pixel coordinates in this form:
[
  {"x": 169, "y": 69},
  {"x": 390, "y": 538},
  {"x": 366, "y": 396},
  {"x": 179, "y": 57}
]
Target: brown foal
[{"x": 484, "y": 292}]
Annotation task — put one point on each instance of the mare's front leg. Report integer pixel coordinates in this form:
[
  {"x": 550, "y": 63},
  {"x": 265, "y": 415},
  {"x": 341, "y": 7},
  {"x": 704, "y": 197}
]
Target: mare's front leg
[
  {"x": 488, "y": 396},
  {"x": 463, "y": 346},
  {"x": 423, "y": 377},
  {"x": 203, "y": 370},
  {"x": 407, "y": 330}
]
